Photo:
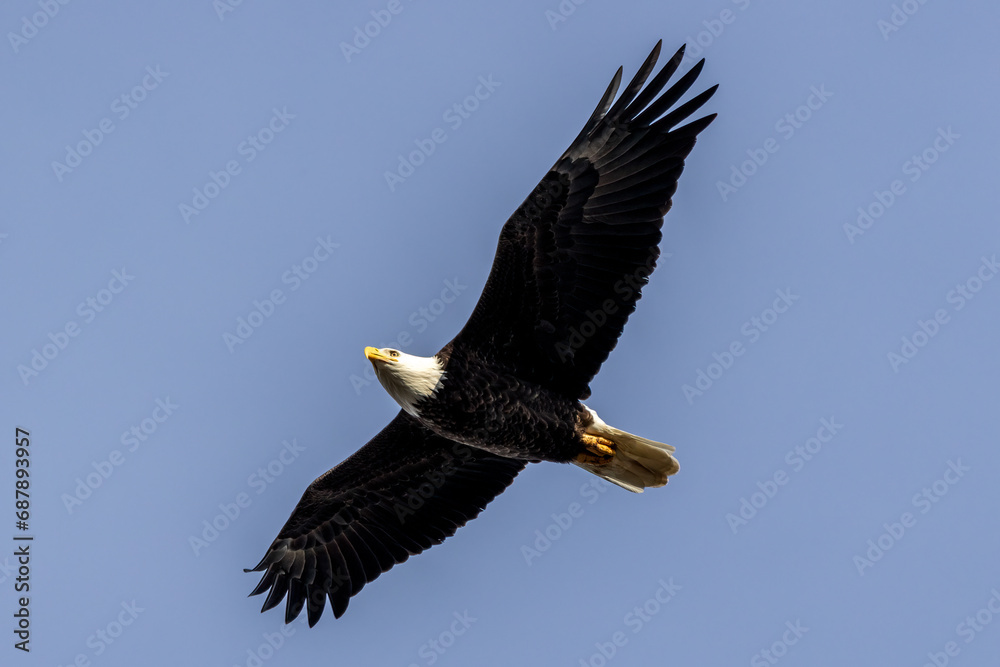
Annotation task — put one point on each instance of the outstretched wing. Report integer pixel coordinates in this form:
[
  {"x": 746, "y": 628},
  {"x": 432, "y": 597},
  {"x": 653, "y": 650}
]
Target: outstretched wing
[
  {"x": 572, "y": 259},
  {"x": 405, "y": 491}
]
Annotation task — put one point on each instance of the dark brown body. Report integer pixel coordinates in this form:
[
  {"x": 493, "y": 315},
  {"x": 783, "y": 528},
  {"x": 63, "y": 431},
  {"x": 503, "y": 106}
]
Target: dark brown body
[{"x": 482, "y": 404}]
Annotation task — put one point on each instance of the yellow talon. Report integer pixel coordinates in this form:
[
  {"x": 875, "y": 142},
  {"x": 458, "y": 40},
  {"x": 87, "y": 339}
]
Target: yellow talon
[{"x": 595, "y": 444}]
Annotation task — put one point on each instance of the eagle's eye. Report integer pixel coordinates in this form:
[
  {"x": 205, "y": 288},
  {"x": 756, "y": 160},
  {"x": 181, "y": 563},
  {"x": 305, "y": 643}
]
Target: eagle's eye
[{"x": 393, "y": 353}]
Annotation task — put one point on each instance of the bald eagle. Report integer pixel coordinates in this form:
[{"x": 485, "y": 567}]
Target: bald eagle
[{"x": 508, "y": 389}]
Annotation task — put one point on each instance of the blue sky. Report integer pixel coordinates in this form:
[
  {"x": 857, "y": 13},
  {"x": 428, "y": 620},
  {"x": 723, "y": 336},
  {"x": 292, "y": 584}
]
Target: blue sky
[{"x": 199, "y": 238}]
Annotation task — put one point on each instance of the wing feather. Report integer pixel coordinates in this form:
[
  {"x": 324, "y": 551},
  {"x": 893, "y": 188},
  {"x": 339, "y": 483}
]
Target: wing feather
[
  {"x": 405, "y": 491},
  {"x": 574, "y": 256}
]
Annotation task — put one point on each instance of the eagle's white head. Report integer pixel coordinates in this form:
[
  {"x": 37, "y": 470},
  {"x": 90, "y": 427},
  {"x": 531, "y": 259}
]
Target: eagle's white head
[{"x": 406, "y": 377}]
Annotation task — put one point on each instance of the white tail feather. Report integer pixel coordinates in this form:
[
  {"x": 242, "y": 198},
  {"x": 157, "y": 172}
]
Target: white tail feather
[{"x": 638, "y": 462}]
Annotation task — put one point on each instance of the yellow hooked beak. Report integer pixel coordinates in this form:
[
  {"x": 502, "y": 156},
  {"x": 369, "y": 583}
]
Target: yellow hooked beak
[{"x": 374, "y": 354}]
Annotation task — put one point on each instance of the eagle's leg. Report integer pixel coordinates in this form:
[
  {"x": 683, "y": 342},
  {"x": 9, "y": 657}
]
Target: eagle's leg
[
  {"x": 627, "y": 460},
  {"x": 598, "y": 450}
]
